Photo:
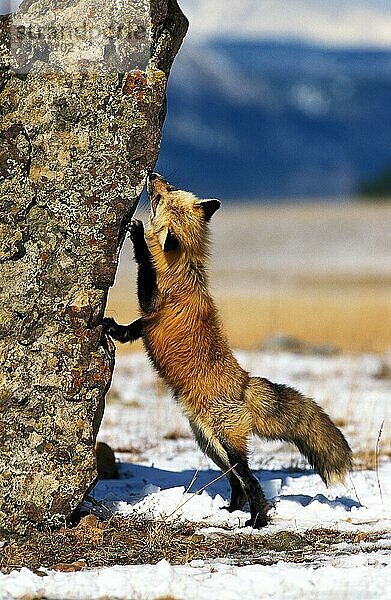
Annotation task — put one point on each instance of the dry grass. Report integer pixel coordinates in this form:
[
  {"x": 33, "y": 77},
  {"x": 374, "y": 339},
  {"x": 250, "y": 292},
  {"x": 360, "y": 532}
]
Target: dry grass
[
  {"x": 374, "y": 452},
  {"x": 354, "y": 323},
  {"x": 177, "y": 434},
  {"x": 369, "y": 459},
  {"x": 120, "y": 541}
]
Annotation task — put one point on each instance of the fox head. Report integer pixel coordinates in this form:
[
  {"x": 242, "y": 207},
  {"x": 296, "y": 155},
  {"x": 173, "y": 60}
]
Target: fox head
[{"x": 178, "y": 219}]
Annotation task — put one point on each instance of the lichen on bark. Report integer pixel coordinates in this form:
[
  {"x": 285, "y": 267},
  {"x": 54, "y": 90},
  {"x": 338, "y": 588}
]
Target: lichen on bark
[{"x": 75, "y": 149}]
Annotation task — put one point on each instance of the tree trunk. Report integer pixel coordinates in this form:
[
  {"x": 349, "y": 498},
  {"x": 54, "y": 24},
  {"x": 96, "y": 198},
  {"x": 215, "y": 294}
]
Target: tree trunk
[{"x": 78, "y": 135}]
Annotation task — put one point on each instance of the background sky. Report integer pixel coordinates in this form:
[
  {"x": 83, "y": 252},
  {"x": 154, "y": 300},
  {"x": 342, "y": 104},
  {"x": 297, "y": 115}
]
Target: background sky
[{"x": 342, "y": 22}]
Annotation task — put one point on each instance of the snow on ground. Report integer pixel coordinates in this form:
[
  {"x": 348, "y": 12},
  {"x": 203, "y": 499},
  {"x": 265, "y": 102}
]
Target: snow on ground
[
  {"x": 360, "y": 576},
  {"x": 162, "y": 469},
  {"x": 158, "y": 484}
]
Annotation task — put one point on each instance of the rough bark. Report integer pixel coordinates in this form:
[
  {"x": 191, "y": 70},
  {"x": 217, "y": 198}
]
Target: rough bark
[{"x": 75, "y": 149}]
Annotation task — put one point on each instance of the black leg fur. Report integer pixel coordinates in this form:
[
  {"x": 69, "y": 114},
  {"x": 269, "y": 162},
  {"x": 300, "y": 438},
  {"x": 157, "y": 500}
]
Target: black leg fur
[
  {"x": 213, "y": 449},
  {"x": 251, "y": 487},
  {"x": 123, "y": 333},
  {"x": 238, "y": 496},
  {"x": 146, "y": 280}
]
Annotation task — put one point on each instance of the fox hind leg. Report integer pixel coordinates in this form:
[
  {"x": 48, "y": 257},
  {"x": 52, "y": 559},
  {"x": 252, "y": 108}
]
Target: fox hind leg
[
  {"x": 238, "y": 495},
  {"x": 207, "y": 445},
  {"x": 251, "y": 487},
  {"x": 243, "y": 483}
]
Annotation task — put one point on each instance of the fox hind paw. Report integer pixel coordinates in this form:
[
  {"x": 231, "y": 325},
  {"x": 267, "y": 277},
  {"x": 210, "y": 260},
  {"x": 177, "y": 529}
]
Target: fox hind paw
[{"x": 258, "y": 522}]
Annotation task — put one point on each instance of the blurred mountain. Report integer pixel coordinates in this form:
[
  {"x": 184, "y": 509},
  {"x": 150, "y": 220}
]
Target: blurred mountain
[{"x": 249, "y": 119}]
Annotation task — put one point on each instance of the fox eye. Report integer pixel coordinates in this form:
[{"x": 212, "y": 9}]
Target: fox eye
[{"x": 171, "y": 188}]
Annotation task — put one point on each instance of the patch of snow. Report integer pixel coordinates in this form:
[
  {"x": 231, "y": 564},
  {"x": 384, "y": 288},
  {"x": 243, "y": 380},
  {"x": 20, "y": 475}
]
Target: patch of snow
[
  {"x": 158, "y": 486},
  {"x": 168, "y": 468},
  {"x": 359, "y": 576}
]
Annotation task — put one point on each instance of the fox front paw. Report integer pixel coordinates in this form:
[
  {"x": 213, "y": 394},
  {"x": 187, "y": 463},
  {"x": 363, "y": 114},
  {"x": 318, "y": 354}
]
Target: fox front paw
[
  {"x": 109, "y": 326},
  {"x": 136, "y": 231}
]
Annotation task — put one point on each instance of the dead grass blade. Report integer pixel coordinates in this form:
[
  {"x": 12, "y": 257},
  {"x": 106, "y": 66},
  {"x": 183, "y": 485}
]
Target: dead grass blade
[{"x": 377, "y": 460}]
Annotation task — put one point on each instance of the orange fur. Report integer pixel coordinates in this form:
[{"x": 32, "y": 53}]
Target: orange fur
[{"x": 184, "y": 335}]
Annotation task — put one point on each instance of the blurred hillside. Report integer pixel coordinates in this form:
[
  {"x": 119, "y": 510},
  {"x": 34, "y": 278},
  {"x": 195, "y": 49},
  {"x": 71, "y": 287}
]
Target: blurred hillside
[{"x": 271, "y": 119}]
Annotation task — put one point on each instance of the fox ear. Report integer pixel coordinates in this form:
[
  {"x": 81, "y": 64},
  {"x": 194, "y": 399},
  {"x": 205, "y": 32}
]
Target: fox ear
[
  {"x": 167, "y": 240},
  {"x": 209, "y": 207}
]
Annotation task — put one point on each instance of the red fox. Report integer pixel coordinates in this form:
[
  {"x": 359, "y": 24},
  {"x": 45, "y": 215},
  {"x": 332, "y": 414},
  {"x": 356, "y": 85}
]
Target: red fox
[{"x": 184, "y": 339}]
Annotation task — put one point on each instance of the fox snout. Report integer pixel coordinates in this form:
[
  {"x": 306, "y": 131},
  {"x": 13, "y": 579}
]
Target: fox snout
[{"x": 155, "y": 180}]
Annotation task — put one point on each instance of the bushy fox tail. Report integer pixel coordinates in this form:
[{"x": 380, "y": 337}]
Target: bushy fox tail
[{"x": 280, "y": 412}]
